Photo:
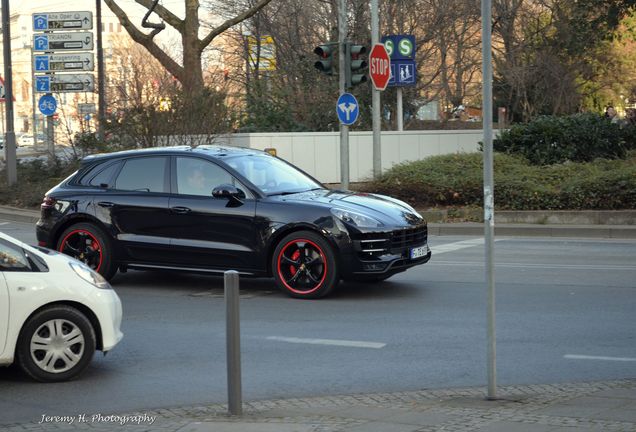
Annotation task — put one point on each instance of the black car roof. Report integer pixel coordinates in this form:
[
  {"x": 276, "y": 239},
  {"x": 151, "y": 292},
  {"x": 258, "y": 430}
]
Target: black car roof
[{"x": 215, "y": 151}]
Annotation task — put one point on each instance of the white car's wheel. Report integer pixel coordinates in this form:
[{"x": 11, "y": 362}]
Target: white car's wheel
[{"x": 56, "y": 344}]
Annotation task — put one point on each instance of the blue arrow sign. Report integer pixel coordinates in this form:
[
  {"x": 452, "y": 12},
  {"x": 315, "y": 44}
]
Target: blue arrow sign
[
  {"x": 40, "y": 22},
  {"x": 47, "y": 105},
  {"x": 41, "y": 42},
  {"x": 43, "y": 84},
  {"x": 347, "y": 108}
]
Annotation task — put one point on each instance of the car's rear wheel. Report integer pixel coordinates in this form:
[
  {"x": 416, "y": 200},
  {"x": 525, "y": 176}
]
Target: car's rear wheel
[
  {"x": 56, "y": 344},
  {"x": 87, "y": 243},
  {"x": 304, "y": 265}
]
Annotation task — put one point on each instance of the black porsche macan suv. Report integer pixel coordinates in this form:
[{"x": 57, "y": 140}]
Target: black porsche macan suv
[{"x": 211, "y": 209}]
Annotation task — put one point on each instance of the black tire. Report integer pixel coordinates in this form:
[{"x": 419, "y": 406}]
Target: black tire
[
  {"x": 60, "y": 359},
  {"x": 87, "y": 243},
  {"x": 304, "y": 265}
]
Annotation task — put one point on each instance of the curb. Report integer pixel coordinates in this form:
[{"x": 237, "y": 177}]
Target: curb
[
  {"x": 528, "y": 230},
  {"x": 19, "y": 215},
  {"x": 593, "y": 231}
]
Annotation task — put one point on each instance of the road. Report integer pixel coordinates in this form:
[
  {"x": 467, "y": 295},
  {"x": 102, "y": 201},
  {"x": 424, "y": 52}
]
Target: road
[{"x": 565, "y": 312}]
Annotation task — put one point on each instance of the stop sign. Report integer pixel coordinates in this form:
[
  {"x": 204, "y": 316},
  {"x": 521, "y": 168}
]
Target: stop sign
[{"x": 379, "y": 67}]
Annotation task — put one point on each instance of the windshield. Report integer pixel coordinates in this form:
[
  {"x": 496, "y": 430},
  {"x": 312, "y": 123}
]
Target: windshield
[{"x": 272, "y": 175}]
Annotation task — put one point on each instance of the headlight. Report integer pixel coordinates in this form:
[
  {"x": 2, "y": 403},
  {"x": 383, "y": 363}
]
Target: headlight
[
  {"x": 356, "y": 219},
  {"x": 90, "y": 275}
]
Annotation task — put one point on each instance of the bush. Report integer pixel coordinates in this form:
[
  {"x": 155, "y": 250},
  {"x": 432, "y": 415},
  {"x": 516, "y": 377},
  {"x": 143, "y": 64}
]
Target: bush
[
  {"x": 35, "y": 178},
  {"x": 577, "y": 138},
  {"x": 457, "y": 180}
]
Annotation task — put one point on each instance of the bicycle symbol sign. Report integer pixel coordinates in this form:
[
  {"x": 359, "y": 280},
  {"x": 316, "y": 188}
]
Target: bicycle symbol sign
[{"x": 47, "y": 105}]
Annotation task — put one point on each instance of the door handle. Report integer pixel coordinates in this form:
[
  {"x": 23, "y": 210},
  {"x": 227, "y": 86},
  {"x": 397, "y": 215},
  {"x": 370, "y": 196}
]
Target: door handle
[
  {"x": 106, "y": 204},
  {"x": 179, "y": 210}
]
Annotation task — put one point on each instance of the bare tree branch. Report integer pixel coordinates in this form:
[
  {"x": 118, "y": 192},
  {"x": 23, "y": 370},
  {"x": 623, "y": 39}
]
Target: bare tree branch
[
  {"x": 146, "y": 40},
  {"x": 165, "y": 15},
  {"x": 232, "y": 22}
]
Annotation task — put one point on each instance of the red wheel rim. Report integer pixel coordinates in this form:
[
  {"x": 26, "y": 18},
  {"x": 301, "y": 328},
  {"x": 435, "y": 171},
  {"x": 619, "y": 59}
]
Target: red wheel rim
[
  {"x": 302, "y": 266},
  {"x": 83, "y": 246}
]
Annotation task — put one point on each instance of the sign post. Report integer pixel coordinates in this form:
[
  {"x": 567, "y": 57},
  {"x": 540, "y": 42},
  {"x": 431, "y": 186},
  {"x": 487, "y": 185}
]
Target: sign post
[{"x": 58, "y": 51}]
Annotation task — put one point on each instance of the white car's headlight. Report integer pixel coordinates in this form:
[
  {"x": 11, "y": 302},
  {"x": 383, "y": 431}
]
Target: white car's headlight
[
  {"x": 356, "y": 219},
  {"x": 90, "y": 275}
]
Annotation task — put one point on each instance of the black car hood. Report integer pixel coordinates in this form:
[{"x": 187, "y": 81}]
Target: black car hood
[{"x": 389, "y": 211}]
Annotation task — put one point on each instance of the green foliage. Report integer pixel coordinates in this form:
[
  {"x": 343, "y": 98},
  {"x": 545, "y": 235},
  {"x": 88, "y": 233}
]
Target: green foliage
[
  {"x": 457, "y": 180},
  {"x": 577, "y": 138}
]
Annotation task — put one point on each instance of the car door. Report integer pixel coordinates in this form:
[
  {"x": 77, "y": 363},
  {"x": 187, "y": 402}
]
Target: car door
[
  {"x": 4, "y": 312},
  {"x": 136, "y": 205},
  {"x": 12, "y": 259},
  {"x": 209, "y": 232}
]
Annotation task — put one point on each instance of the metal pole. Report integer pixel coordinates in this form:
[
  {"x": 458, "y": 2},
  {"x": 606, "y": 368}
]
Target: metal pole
[
  {"x": 400, "y": 111},
  {"x": 376, "y": 103},
  {"x": 489, "y": 208},
  {"x": 233, "y": 342},
  {"x": 101, "y": 107},
  {"x": 344, "y": 129},
  {"x": 35, "y": 112},
  {"x": 9, "y": 141}
]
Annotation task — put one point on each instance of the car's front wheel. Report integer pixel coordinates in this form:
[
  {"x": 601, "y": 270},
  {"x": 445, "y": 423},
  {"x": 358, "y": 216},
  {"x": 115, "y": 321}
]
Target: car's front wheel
[
  {"x": 56, "y": 344},
  {"x": 87, "y": 243},
  {"x": 304, "y": 265}
]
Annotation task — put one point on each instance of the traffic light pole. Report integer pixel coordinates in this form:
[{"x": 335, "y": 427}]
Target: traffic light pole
[
  {"x": 344, "y": 129},
  {"x": 375, "y": 100}
]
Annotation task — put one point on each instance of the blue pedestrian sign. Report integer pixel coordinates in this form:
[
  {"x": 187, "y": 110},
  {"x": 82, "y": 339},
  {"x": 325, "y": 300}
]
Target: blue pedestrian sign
[
  {"x": 347, "y": 108},
  {"x": 403, "y": 73},
  {"x": 47, "y": 105}
]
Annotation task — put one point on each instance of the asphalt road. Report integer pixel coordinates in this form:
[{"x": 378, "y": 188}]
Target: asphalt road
[{"x": 565, "y": 312}]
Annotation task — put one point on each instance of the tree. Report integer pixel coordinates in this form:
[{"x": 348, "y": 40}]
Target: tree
[{"x": 190, "y": 72}]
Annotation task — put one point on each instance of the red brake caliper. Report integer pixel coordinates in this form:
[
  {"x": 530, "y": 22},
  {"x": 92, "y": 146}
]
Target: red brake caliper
[{"x": 294, "y": 257}]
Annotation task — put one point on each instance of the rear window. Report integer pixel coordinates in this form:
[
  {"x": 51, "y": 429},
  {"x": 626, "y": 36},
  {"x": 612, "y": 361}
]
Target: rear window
[
  {"x": 100, "y": 175},
  {"x": 145, "y": 174}
]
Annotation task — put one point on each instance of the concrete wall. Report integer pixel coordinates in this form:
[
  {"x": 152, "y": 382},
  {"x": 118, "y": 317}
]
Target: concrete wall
[{"x": 318, "y": 153}]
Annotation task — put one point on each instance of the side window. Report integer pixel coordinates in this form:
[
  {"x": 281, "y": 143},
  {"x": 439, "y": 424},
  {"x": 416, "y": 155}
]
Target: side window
[
  {"x": 199, "y": 177},
  {"x": 104, "y": 176},
  {"x": 145, "y": 174},
  {"x": 12, "y": 258}
]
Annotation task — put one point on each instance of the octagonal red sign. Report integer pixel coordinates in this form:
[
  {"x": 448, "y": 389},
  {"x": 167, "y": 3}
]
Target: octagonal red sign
[{"x": 379, "y": 67}]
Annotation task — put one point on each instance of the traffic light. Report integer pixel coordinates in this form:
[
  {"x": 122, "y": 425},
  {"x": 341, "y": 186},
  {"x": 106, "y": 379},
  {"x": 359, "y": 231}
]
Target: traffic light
[
  {"x": 354, "y": 65},
  {"x": 326, "y": 63}
]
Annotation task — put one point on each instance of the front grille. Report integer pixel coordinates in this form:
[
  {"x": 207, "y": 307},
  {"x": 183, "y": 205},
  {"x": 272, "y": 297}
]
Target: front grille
[
  {"x": 407, "y": 238},
  {"x": 381, "y": 243}
]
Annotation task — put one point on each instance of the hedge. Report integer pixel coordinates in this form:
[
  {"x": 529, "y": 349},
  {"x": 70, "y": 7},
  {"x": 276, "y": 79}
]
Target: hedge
[{"x": 457, "y": 180}]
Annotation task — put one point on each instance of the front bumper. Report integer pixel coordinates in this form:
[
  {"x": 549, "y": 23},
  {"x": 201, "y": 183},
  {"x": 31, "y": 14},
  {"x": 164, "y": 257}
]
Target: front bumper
[{"x": 378, "y": 253}]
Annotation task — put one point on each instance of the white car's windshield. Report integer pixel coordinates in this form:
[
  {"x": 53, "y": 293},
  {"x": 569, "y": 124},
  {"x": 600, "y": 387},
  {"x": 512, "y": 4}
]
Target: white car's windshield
[{"x": 272, "y": 175}]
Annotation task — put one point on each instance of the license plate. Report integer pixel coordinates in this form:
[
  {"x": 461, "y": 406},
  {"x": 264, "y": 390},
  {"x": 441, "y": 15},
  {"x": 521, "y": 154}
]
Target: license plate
[{"x": 418, "y": 252}]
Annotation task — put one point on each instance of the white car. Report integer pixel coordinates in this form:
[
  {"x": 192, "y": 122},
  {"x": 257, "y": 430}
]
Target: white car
[
  {"x": 26, "y": 140},
  {"x": 54, "y": 312}
]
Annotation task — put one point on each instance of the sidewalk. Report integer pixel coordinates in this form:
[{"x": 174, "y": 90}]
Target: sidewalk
[
  {"x": 576, "y": 224},
  {"x": 577, "y": 407}
]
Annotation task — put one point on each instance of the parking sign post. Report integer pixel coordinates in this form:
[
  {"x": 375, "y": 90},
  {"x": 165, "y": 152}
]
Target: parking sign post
[{"x": 233, "y": 342}]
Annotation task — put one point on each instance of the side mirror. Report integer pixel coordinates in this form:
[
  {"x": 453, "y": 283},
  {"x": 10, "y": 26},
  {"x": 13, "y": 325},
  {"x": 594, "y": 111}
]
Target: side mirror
[{"x": 226, "y": 191}]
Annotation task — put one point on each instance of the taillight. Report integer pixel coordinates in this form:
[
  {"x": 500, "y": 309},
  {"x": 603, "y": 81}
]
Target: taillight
[{"x": 48, "y": 203}]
